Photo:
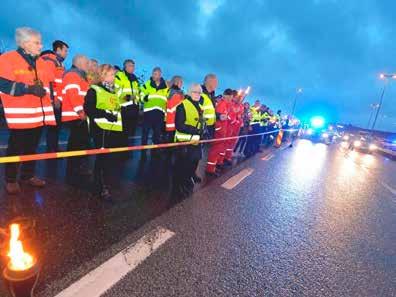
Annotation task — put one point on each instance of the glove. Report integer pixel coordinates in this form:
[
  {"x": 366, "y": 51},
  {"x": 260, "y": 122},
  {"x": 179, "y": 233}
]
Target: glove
[
  {"x": 36, "y": 90},
  {"x": 145, "y": 98},
  {"x": 111, "y": 117},
  {"x": 128, "y": 98}
]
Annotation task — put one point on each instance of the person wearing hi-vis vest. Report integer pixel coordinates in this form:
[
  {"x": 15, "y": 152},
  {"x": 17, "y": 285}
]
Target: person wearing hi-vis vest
[
  {"x": 154, "y": 94},
  {"x": 190, "y": 124},
  {"x": 103, "y": 109},
  {"x": 128, "y": 90},
  {"x": 208, "y": 102}
]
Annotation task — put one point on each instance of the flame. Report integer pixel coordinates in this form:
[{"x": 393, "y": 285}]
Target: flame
[{"x": 19, "y": 259}]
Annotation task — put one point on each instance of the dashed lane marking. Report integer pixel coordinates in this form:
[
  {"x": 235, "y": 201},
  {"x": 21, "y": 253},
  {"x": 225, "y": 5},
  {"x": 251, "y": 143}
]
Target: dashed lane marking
[
  {"x": 237, "y": 179},
  {"x": 392, "y": 190},
  {"x": 267, "y": 157},
  {"x": 101, "y": 279}
]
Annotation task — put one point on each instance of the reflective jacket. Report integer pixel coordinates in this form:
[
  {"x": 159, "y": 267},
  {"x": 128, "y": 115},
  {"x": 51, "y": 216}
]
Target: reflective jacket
[
  {"x": 208, "y": 106},
  {"x": 108, "y": 102},
  {"x": 25, "y": 111},
  {"x": 256, "y": 117},
  {"x": 175, "y": 97},
  {"x": 125, "y": 86},
  {"x": 192, "y": 120},
  {"x": 154, "y": 97},
  {"x": 56, "y": 71},
  {"x": 74, "y": 89}
]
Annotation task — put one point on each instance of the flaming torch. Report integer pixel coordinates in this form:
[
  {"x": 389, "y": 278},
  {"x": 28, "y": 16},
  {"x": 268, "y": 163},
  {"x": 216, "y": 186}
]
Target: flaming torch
[{"x": 21, "y": 273}]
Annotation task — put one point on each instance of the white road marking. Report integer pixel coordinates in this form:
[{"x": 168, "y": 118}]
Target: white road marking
[
  {"x": 392, "y": 190},
  {"x": 267, "y": 157},
  {"x": 101, "y": 279},
  {"x": 237, "y": 179}
]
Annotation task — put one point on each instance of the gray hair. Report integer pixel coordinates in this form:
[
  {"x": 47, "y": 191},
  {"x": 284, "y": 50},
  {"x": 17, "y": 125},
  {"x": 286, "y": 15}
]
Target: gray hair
[
  {"x": 194, "y": 87},
  {"x": 77, "y": 58},
  {"x": 175, "y": 79},
  {"x": 209, "y": 76},
  {"x": 23, "y": 34}
]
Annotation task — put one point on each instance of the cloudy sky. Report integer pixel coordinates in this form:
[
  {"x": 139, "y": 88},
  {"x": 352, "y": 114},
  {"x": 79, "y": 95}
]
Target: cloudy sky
[{"x": 333, "y": 49}]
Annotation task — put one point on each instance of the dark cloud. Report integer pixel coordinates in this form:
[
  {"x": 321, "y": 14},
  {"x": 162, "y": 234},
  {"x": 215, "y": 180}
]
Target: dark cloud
[{"x": 333, "y": 49}]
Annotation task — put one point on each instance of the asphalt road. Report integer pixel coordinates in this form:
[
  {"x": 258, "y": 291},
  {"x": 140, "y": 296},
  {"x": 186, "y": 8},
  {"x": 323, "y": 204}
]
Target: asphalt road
[{"x": 313, "y": 220}]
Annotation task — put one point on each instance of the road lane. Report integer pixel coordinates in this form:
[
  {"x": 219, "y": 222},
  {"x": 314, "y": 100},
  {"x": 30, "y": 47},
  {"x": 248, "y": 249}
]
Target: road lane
[{"x": 308, "y": 223}]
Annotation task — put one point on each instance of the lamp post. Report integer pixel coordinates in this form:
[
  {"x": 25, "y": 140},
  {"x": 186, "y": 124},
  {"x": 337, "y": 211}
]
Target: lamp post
[
  {"x": 298, "y": 92},
  {"x": 373, "y": 106},
  {"x": 384, "y": 76}
]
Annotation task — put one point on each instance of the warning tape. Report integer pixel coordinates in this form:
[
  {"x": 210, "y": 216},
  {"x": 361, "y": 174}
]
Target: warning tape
[{"x": 69, "y": 154}]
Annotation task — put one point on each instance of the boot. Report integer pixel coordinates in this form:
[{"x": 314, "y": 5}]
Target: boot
[{"x": 13, "y": 188}]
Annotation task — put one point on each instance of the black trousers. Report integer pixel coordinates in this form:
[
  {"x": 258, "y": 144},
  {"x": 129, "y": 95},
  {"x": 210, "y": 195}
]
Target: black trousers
[
  {"x": 22, "y": 142},
  {"x": 78, "y": 140},
  {"x": 106, "y": 164},
  {"x": 153, "y": 120},
  {"x": 186, "y": 162},
  {"x": 130, "y": 117},
  {"x": 53, "y": 132}
]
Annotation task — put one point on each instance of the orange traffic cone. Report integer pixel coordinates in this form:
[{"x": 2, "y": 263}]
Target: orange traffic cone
[{"x": 278, "y": 140}]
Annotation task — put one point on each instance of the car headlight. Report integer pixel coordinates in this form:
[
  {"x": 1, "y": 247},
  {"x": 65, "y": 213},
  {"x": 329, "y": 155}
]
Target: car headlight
[
  {"x": 325, "y": 135},
  {"x": 357, "y": 143},
  {"x": 372, "y": 147}
]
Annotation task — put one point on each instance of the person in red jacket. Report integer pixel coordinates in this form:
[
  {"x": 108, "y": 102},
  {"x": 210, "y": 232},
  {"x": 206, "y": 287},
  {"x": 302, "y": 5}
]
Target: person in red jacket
[
  {"x": 75, "y": 87},
  {"x": 175, "y": 97},
  {"x": 234, "y": 125},
  {"x": 24, "y": 84},
  {"x": 54, "y": 61},
  {"x": 217, "y": 150}
]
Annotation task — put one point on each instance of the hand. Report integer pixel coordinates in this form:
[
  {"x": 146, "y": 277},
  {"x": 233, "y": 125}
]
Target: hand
[
  {"x": 223, "y": 117},
  {"x": 36, "y": 90},
  {"x": 111, "y": 117},
  {"x": 82, "y": 115}
]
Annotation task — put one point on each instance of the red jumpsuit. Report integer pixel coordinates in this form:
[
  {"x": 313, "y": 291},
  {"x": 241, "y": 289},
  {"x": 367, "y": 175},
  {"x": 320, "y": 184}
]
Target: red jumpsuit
[
  {"x": 234, "y": 127},
  {"x": 217, "y": 150}
]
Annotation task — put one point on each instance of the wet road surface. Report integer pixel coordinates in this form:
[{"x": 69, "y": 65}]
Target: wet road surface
[{"x": 313, "y": 220}]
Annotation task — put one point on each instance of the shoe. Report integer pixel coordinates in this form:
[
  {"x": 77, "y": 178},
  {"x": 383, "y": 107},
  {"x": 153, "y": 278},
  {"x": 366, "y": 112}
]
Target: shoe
[
  {"x": 13, "y": 188},
  {"x": 105, "y": 194},
  {"x": 212, "y": 174},
  {"x": 35, "y": 182},
  {"x": 227, "y": 163},
  {"x": 196, "y": 179}
]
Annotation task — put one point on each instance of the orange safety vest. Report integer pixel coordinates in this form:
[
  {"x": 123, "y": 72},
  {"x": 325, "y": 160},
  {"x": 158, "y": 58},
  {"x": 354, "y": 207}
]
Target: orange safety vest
[
  {"x": 27, "y": 111},
  {"x": 56, "y": 71},
  {"x": 74, "y": 89},
  {"x": 171, "y": 106}
]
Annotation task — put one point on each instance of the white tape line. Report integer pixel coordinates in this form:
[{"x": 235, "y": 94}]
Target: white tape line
[
  {"x": 392, "y": 190},
  {"x": 101, "y": 279},
  {"x": 237, "y": 179}
]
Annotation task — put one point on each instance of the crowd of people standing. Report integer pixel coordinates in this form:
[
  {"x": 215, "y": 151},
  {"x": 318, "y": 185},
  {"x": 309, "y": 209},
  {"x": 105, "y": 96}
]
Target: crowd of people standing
[{"x": 100, "y": 106}]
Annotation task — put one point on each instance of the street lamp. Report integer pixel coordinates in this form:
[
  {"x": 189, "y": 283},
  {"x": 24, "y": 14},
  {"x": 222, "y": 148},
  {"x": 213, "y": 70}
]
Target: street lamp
[
  {"x": 384, "y": 76},
  {"x": 298, "y": 92},
  {"x": 373, "y": 106}
]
